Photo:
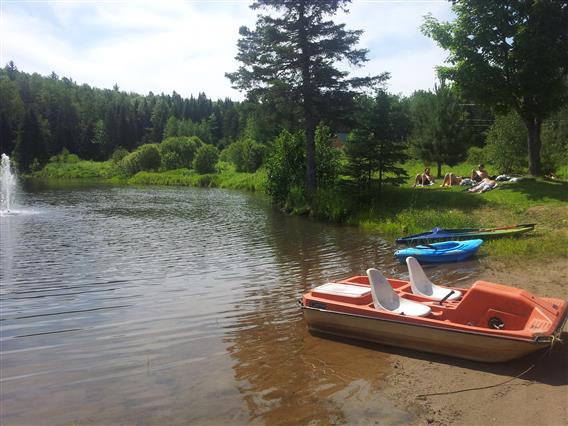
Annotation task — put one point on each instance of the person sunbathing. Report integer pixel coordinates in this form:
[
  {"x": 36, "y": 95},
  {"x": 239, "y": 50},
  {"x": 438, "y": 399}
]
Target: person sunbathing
[
  {"x": 424, "y": 179},
  {"x": 451, "y": 179},
  {"x": 485, "y": 185},
  {"x": 479, "y": 174}
]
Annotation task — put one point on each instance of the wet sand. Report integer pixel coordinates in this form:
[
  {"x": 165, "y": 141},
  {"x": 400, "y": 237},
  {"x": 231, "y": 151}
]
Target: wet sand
[{"x": 538, "y": 397}]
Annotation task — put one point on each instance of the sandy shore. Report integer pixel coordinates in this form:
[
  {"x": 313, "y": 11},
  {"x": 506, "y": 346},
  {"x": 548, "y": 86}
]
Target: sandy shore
[{"x": 538, "y": 397}]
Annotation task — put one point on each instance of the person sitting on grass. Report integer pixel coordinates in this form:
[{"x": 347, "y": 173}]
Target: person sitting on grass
[
  {"x": 485, "y": 185},
  {"x": 424, "y": 179},
  {"x": 451, "y": 179},
  {"x": 479, "y": 174}
]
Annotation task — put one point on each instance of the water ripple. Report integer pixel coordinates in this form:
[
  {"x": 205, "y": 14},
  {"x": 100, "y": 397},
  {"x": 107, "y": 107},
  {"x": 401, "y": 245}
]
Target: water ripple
[{"x": 122, "y": 297}]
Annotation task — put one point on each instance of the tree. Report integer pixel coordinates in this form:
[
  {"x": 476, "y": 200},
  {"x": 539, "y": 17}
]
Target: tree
[
  {"x": 290, "y": 58},
  {"x": 511, "y": 54},
  {"x": 377, "y": 144},
  {"x": 32, "y": 142},
  {"x": 11, "y": 114},
  {"x": 440, "y": 133}
]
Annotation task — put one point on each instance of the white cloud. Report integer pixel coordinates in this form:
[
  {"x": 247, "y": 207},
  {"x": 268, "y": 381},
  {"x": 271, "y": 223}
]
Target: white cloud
[
  {"x": 396, "y": 45},
  {"x": 162, "y": 46}
]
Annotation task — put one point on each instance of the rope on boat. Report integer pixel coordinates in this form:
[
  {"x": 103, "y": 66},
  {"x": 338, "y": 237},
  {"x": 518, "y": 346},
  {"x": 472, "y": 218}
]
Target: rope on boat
[{"x": 518, "y": 376}]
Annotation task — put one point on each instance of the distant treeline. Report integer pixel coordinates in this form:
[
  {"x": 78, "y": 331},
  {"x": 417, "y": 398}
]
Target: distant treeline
[
  {"x": 39, "y": 116},
  {"x": 44, "y": 116}
]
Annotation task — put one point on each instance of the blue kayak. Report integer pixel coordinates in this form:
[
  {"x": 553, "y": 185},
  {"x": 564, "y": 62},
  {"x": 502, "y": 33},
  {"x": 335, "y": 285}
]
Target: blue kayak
[{"x": 446, "y": 251}]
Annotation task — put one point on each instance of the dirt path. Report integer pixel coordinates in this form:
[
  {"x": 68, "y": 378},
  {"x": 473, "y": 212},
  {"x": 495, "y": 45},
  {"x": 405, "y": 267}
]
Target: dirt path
[{"x": 539, "y": 397}]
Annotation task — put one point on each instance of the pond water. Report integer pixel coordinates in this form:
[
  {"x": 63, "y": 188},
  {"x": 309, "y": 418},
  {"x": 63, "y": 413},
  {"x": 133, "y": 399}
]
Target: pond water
[{"x": 179, "y": 305}]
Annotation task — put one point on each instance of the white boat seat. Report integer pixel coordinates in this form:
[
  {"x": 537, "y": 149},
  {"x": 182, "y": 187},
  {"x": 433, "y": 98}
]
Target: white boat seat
[
  {"x": 422, "y": 286},
  {"x": 386, "y": 299},
  {"x": 338, "y": 289}
]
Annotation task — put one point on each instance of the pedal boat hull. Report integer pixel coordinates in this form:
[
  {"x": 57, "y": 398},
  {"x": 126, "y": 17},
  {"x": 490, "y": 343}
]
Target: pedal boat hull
[{"x": 457, "y": 328}]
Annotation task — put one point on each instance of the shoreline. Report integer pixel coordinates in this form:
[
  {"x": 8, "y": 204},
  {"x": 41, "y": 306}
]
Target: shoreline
[{"x": 440, "y": 390}]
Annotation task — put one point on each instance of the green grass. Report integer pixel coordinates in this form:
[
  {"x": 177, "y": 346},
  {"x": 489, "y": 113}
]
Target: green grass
[
  {"x": 227, "y": 178},
  {"x": 397, "y": 211},
  {"x": 77, "y": 170},
  {"x": 107, "y": 170}
]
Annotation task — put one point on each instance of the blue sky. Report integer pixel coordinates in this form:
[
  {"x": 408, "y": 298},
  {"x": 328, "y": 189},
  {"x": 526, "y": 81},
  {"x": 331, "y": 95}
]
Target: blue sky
[{"x": 187, "y": 46}]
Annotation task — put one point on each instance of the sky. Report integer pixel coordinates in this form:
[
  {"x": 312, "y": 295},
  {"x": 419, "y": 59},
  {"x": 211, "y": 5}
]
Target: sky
[{"x": 187, "y": 45}]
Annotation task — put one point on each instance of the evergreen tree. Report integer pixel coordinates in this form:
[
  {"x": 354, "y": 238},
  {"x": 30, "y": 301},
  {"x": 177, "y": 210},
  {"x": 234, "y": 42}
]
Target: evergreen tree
[
  {"x": 290, "y": 58},
  {"x": 377, "y": 144},
  {"x": 31, "y": 146},
  {"x": 440, "y": 131},
  {"x": 11, "y": 114}
]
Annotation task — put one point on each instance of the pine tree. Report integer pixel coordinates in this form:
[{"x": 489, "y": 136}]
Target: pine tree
[{"x": 291, "y": 57}]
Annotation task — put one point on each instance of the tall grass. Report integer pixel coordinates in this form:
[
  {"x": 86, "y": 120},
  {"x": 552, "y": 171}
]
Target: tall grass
[
  {"x": 77, "y": 170},
  {"x": 227, "y": 178}
]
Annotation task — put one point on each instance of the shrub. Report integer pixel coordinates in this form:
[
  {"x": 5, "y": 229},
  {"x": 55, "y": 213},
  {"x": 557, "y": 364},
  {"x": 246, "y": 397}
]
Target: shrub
[
  {"x": 118, "y": 154},
  {"x": 65, "y": 157},
  {"x": 146, "y": 157},
  {"x": 205, "y": 159},
  {"x": 506, "y": 146},
  {"x": 179, "y": 151},
  {"x": 246, "y": 154},
  {"x": 327, "y": 157},
  {"x": 285, "y": 165}
]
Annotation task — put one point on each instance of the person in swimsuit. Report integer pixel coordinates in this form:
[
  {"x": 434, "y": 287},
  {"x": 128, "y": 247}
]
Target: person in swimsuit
[
  {"x": 485, "y": 185},
  {"x": 479, "y": 174},
  {"x": 451, "y": 179},
  {"x": 424, "y": 179}
]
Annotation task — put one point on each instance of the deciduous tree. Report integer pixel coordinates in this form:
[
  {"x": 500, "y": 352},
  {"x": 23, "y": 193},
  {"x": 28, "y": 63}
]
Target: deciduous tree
[{"x": 512, "y": 54}]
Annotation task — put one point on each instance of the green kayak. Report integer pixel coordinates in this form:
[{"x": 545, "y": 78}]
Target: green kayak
[{"x": 439, "y": 234}]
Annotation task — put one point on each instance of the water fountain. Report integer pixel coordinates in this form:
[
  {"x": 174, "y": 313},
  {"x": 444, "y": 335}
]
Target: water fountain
[{"x": 7, "y": 185}]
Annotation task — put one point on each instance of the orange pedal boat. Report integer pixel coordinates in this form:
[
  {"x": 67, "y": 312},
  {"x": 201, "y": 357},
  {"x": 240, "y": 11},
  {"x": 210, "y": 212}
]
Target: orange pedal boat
[{"x": 488, "y": 322}]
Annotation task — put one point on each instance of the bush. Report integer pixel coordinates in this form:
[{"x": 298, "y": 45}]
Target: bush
[
  {"x": 285, "y": 166},
  {"x": 506, "y": 144},
  {"x": 246, "y": 154},
  {"x": 205, "y": 159},
  {"x": 327, "y": 157},
  {"x": 118, "y": 154},
  {"x": 65, "y": 157},
  {"x": 179, "y": 151},
  {"x": 146, "y": 157}
]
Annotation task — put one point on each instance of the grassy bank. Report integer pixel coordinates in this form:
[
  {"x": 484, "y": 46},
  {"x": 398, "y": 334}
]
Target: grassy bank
[
  {"x": 108, "y": 171},
  {"x": 405, "y": 210},
  {"x": 395, "y": 211}
]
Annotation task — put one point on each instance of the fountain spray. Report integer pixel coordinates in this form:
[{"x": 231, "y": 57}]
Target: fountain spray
[{"x": 7, "y": 185}]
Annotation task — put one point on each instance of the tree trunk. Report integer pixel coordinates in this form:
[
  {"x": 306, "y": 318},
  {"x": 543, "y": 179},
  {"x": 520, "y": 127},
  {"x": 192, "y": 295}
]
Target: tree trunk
[
  {"x": 439, "y": 169},
  {"x": 309, "y": 120},
  {"x": 533, "y": 129}
]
